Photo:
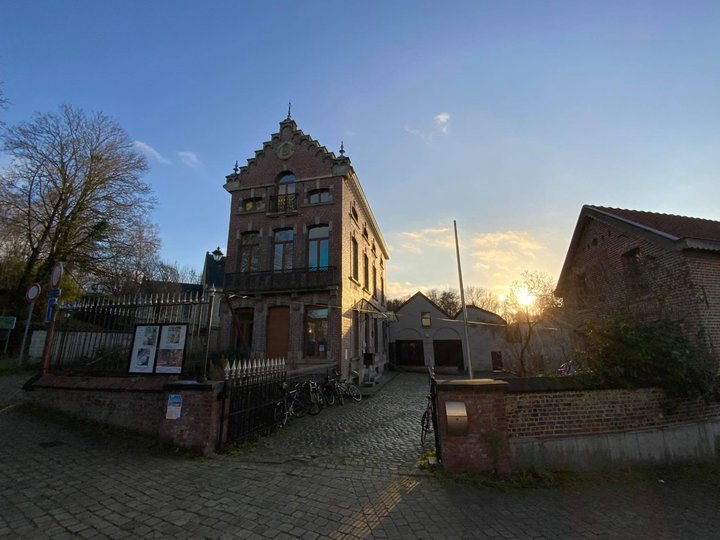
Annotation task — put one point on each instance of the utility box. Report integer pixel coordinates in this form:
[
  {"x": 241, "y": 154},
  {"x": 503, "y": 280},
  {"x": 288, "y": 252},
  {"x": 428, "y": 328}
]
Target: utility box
[{"x": 457, "y": 420}]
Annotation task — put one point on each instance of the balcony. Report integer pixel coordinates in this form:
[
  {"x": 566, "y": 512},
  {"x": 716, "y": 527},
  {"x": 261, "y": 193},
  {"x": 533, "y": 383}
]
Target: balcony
[
  {"x": 298, "y": 279},
  {"x": 283, "y": 204}
]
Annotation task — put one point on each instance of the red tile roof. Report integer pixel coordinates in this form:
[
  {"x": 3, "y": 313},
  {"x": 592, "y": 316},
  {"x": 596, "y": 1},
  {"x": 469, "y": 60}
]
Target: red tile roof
[{"x": 676, "y": 226}]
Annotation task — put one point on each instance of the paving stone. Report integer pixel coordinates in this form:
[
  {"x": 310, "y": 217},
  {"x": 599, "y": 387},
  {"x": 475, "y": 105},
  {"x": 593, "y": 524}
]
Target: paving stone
[{"x": 349, "y": 472}]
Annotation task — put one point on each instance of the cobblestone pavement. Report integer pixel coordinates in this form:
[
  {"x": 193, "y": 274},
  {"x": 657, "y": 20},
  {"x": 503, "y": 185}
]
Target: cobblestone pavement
[{"x": 347, "y": 473}]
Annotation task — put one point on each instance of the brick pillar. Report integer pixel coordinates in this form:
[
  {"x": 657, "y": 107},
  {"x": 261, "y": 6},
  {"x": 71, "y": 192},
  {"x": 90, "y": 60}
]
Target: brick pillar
[
  {"x": 198, "y": 424},
  {"x": 485, "y": 447}
]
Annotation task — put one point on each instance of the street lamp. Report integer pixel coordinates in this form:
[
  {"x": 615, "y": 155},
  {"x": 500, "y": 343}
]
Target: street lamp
[{"x": 217, "y": 255}]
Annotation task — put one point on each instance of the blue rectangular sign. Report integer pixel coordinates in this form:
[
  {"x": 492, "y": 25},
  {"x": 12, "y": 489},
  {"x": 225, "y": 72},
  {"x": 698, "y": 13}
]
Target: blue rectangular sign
[{"x": 53, "y": 293}]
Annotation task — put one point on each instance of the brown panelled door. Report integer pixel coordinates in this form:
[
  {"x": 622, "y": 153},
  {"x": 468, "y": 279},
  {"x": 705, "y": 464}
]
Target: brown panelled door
[{"x": 278, "y": 326}]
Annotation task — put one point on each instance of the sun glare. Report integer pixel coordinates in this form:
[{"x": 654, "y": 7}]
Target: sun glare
[{"x": 524, "y": 297}]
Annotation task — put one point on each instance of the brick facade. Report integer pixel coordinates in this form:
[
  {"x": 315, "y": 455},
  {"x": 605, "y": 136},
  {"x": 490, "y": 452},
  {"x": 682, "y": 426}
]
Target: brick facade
[
  {"x": 502, "y": 416},
  {"x": 326, "y": 193},
  {"x": 615, "y": 266},
  {"x": 138, "y": 403}
]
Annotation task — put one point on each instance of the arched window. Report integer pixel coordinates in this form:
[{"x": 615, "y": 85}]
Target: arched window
[{"x": 286, "y": 195}]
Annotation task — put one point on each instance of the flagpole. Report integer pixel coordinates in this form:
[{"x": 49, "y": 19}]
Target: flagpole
[{"x": 464, "y": 307}]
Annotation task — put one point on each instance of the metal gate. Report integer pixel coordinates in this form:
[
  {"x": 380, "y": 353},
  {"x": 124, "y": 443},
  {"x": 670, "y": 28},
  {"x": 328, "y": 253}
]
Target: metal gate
[{"x": 253, "y": 389}]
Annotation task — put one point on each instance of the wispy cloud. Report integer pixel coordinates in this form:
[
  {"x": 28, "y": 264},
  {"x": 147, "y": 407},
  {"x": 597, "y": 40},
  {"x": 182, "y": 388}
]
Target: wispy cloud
[
  {"x": 150, "y": 151},
  {"x": 505, "y": 251},
  {"x": 414, "y": 241},
  {"x": 189, "y": 158},
  {"x": 442, "y": 120},
  {"x": 441, "y": 123}
]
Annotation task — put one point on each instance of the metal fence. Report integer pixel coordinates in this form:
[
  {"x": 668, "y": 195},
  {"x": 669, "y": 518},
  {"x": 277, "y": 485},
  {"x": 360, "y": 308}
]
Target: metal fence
[
  {"x": 253, "y": 389},
  {"x": 253, "y": 392},
  {"x": 94, "y": 336}
]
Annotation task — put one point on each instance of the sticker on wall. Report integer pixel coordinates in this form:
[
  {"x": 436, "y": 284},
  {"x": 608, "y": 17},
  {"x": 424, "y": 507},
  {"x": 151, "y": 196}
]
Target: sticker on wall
[{"x": 174, "y": 407}]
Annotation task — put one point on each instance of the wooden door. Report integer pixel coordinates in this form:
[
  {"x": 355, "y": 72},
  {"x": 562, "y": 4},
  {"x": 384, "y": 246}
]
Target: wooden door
[{"x": 278, "y": 332}]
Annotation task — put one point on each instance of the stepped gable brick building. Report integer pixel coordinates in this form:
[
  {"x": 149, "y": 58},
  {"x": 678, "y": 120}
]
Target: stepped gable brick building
[
  {"x": 305, "y": 267},
  {"x": 653, "y": 265}
]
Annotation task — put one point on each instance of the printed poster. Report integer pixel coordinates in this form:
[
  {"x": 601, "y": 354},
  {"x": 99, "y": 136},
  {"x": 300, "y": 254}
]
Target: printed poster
[
  {"x": 171, "y": 350},
  {"x": 142, "y": 355},
  {"x": 174, "y": 407}
]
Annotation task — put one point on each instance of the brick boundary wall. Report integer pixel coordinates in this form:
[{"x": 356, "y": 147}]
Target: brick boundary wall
[
  {"x": 540, "y": 414},
  {"x": 546, "y": 417},
  {"x": 138, "y": 403}
]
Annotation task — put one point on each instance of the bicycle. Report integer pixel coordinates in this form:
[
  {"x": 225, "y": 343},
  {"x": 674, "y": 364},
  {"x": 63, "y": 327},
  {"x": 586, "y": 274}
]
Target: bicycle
[
  {"x": 342, "y": 389},
  {"x": 292, "y": 404},
  {"x": 315, "y": 396},
  {"x": 426, "y": 423}
]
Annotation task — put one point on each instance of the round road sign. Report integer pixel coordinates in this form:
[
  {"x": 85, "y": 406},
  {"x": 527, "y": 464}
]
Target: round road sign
[
  {"x": 56, "y": 275},
  {"x": 33, "y": 291}
]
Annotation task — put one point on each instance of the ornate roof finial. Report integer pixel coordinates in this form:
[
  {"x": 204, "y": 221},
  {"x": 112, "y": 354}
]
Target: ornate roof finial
[
  {"x": 289, "y": 117},
  {"x": 236, "y": 168},
  {"x": 342, "y": 148}
]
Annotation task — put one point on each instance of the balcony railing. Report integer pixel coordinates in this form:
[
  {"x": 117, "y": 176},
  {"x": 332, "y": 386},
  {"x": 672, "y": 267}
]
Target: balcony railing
[
  {"x": 298, "y": 279},
  {"x": 283, "y": 203}
]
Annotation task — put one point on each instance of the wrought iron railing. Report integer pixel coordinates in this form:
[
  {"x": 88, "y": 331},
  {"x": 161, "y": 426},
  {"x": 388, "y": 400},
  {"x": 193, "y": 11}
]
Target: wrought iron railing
[
  {"x": 283, "y": 203},
  {"x": 287, "y": 280}
]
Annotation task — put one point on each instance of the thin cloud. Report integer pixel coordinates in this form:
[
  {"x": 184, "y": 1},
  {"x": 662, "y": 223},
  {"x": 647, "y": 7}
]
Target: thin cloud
[
  {"x": 442, "y": 120},
  {"x": 441, "y": 123},
  {"x": 150, "y": 151},
  {"x": 189, "y": 158},
  {"x": 414, "y": 241}
]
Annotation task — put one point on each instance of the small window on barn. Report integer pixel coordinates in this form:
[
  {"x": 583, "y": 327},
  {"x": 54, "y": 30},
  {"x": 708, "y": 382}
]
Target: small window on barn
[{"x": 425, "y": 319}]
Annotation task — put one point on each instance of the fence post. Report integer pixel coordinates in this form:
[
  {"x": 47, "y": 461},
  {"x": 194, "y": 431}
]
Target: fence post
[{"x": 203, "y": 375}]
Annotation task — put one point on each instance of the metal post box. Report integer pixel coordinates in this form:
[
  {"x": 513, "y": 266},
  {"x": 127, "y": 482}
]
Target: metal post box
[{"x": 457, "y": 420}]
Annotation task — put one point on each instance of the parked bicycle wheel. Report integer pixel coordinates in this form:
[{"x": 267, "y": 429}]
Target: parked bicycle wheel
[
  {"x": 317, "y": 400},
  {"x": 281, "y": 414},
  {"x": 329, "y": 393},
  {"x": 425, "y": 426},
  {"x": 300, "y": 402},
  {"x": 353, "y": 391}
]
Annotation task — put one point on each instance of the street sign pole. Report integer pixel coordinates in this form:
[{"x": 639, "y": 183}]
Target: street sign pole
[{"x": 31, "y": 307}]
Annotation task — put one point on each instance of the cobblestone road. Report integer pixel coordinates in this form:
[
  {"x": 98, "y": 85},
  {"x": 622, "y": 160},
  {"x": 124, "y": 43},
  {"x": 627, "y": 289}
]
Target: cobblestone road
[{"x": 348, "y": 473}]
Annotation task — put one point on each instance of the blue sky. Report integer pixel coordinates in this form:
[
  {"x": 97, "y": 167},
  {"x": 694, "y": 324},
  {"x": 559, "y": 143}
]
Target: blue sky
[{"x": 504, "y": 116}]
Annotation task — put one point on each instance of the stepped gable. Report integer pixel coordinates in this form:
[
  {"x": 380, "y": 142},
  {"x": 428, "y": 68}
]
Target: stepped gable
[{"x": 284, "y": 144}]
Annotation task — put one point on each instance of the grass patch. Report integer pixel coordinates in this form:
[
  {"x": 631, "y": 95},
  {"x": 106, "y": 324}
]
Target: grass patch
[
  {"x": 538, "y": 478},
  {"x": 121, "y": 439}
]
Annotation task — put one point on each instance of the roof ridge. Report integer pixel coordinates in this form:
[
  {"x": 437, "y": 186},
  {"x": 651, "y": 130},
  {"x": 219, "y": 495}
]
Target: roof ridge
[{"x": 610, "y": 209}]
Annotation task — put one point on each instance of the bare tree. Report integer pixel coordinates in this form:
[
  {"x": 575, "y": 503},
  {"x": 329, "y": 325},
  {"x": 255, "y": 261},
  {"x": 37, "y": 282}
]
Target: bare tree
[
  {"x": 482, "y": 298},
  {"x": 448, "y": 300},
  {"x": 528, "y": 302},
  {"x": 71, "y": 191}
]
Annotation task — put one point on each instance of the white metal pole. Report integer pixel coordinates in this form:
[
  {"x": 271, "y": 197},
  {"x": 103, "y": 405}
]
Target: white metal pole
[{"x": 464, "y": 308}]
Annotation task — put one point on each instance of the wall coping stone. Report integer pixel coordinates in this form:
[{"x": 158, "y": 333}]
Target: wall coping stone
[
  {"x": 208, "y": 386},
  {"x": 472, "y": 385},
  {"x": 551, "y": 384},
  {"x": 154, "y": 383}
]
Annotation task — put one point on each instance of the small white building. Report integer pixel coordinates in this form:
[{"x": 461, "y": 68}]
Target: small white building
[{"x": 425, "y": 335}]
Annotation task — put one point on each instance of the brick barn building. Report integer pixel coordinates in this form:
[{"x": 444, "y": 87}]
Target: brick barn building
[
  {"x": 305, "y": 266},
  {"x": 651, "y": 265}
]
